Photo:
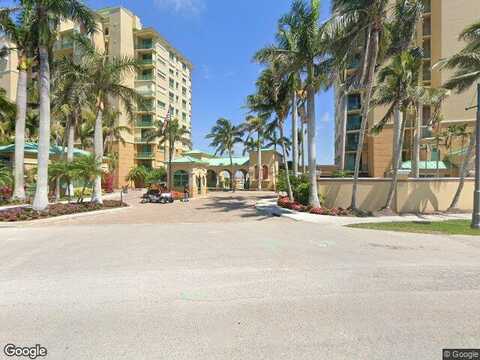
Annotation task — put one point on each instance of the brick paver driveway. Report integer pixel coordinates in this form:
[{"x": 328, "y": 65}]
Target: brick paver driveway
[{"x": 216, "y": 207}]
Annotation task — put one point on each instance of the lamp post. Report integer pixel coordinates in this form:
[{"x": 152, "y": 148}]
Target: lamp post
[{"x": 476, "y": 194}]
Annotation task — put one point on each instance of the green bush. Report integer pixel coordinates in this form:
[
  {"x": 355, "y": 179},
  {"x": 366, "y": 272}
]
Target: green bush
[
  {"x": 156, "y": 176},
  {"x": 300, "y": 186},
  {"x": 342, "y": 174}
]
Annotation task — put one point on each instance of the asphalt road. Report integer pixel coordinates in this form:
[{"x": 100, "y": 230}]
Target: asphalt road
[{"x": 259, "y": 288}]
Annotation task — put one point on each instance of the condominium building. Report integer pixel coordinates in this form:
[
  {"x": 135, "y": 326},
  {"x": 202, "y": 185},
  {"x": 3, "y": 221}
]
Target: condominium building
[
  {"x": 165, "y": 80},
  {"x": 438, "y": 34}
]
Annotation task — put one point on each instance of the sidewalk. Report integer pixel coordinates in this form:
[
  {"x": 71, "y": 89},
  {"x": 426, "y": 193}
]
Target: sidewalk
[{"x": 270, "y": 207}]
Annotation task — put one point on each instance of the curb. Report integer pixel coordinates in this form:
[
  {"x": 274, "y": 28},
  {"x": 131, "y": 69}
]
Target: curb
[{"x": 7, "y": 224}]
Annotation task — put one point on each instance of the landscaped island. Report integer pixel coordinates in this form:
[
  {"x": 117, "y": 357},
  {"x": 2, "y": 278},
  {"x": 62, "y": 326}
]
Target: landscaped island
[
  {"x": 449, "y": 227},
  {"x": 26, "y": 213}
]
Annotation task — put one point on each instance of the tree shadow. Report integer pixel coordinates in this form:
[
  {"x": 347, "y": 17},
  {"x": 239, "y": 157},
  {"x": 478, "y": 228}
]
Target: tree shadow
[{"x": 236, "y": 204}]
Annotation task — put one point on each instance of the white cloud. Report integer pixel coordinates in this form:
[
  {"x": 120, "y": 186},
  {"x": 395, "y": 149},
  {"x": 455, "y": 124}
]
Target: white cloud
[
  {"x": 185, "y": 7},
  {"x": 325, "y": 119}
]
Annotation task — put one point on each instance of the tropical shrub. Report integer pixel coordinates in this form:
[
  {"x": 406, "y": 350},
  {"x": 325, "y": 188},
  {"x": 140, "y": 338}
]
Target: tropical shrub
[
  {"x": 137, "y": 175},
  {"x": 300, "y": 186},
  {"x": 107, "y": 182},
  {"x": 156, "y": 176},
  {"x": 342, "y": 174},
  {"x": 6, "y": 178}
]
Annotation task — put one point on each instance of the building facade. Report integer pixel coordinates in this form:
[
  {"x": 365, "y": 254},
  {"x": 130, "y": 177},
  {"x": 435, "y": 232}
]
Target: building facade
[
  {"x": 443, "y": 21},
  {"x": 165, "y": 80}
]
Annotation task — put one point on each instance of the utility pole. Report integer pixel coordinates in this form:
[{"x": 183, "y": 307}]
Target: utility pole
[{"x": 476, "y": 194}]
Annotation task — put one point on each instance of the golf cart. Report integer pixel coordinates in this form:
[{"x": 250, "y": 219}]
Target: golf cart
[{"x": 157, "y": 194}]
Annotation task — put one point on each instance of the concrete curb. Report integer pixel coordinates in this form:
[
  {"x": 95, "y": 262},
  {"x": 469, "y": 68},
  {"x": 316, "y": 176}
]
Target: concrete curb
[
  {"x": 271, "y": 208},
  {"x": 62, "y": 217}
]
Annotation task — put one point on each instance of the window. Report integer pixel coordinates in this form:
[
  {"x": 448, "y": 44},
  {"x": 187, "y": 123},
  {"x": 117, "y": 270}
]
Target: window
[
  {"x": 354, "y": 102},
  {"x": 265, "y": 172},
  {"x": 171, "y": 72},
  {"x": 435, "y": 155},
  {"x": 184, "y": 91},
  {"x": 184, "y": 117},
  {"x": 352, "y": 141},
  {"x": 354, "y": 122},
  {"x": 350, "y": 162},
  {"x": 427, "y": 49},
  {"x": 171, "y": 84},
  {"x": 427, "y": 71},
  {"x": 106, "y": 31},
  {"x": 161, "y": 74},
  {"x": 180, "y": 179},
  {"x": 171, "y": 96},
  {"x": 184, "y": 67},
  {"x": 161, "y": 104},
  {"x": 184, "y": 104},
  {"x": 427, "y": 6},
  {"x": 172, "y": 56},
  {"x": 427, "y": 26}
]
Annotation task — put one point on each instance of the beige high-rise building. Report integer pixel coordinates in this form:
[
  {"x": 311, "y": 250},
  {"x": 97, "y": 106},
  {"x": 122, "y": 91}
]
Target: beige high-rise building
[
  {"x": 165, "y": 80},
  {"x": 438, "y": 34}
]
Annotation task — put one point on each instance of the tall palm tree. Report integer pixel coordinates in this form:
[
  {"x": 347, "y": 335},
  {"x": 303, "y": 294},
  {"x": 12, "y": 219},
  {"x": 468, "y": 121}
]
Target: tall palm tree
[
  {"x": 224, "y": 136},
  {"x": 398, "y": 89},
  {"x": 366, "y": 23},
  {"x": 466, "y": 67},
  {"x": 273, "y": 95},
  {"x": 23, "y": 41},
  {"x": 169, "y": 133},
  {"x": 256, "y": 124},
  {"x": 300, "y": 46},
  {"x": 46, "y": 17},
  {"x": 104, "y": 78}
]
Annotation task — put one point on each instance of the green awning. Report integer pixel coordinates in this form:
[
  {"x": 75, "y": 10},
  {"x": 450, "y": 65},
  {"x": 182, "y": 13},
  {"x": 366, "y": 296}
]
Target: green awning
[
  {"x": 426, "y": 165},
  {"x": 32, "y": 148}
]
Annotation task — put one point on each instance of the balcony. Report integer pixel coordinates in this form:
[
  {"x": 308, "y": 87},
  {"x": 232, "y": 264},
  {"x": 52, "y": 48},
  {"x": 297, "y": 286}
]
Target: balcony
[
  {"x": 146, "y": 61},
  {"x": 354, "y": 102},
  {"x": 145, "y": 155},
  {"x": 63, "y": 44},
  {"x": 144, "y": 45},
  {"x": 146, "y": 92},
  {"x": 141, "y": 140},
  {"x": 145, "y": 77},
  {"x": 144, "y": 123}
]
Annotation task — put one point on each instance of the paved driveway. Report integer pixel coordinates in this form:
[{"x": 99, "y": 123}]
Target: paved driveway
[
  {"x": 235, "y": 285},
  {"x": 218, "y": 207}
]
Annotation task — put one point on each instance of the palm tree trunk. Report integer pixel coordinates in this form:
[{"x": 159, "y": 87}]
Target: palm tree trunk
[
  {"x": 372, "y": 60},
  {"x": 416, "y": 141},
  {"x": 304, "y": 168},
  {"x": 40, "y": 201},
  {"x": 232, "y": 175},
  {"x": 19, "y": 187},
  {"x": 312, "y": 144},
  {"x": 98, "y": 148},
  {"x": 259, "y": 161},
  {"x": 295, "y": 134},
  {"x": 463, "y": 173},
  {"x": 285, "y": 161},
  {"x": 397, "y": 158}
]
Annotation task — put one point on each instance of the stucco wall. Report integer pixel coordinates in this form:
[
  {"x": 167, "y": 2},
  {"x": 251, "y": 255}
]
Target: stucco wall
[{"x": 413, "y": 195}]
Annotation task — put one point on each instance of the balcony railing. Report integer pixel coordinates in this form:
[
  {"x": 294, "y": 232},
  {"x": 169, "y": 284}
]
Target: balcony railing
[
  {"x": 145, "y": 155},
  {"x": 146, "y": 61},
  {"x": 145, "y": 77},
  {"x": 146, "y": 45},
  {"x": 63, "y": 44},
  {"x": 141, "y": 139},
  {"x": 145, "y": 123},
  {"x": 146, "y": 92}
]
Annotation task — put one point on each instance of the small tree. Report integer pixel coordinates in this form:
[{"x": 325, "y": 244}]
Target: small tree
[
  {"x": 137, "y": 175},
  {"x": 85, "y": 169}
]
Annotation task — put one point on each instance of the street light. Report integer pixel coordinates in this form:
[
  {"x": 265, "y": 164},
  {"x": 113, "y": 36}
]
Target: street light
[{"x": 476, "y": 194}]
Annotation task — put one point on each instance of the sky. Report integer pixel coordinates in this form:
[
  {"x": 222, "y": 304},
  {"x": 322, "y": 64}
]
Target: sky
[{"x": 220, "y": 38}]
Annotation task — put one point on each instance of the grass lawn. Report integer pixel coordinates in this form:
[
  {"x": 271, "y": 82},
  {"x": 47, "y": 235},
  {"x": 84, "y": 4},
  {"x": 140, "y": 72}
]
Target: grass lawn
[{"x": 450, "y": 227}]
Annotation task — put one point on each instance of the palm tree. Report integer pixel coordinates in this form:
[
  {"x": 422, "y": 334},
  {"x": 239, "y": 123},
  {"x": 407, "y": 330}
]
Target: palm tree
[
  {"x": 112, "y": 131},
  {"x": 468, "y": 156},
  {"x": 367, "y": 23},
  {"x": 104, "y": 78},
  {"x": 224, "y": 136},
  {"x": 169, "y": 133},
  {"x": 398, "y": 88},
  {"x": 300, "y": 48},
  {"x": 46, "y": 17},
  {"x": 256, "y": 124},
  {"x": 273, "y": 95},
  {"x": 7, "y": 115},
  {"x": 23, "y": 39}
]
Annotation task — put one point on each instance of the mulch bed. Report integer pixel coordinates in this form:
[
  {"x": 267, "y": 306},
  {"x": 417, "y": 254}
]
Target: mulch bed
[{"x": 26, "y": 213}]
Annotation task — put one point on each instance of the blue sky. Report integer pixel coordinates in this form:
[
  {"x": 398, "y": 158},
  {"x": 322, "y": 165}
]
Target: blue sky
[{"x": 220, "y": 38}]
